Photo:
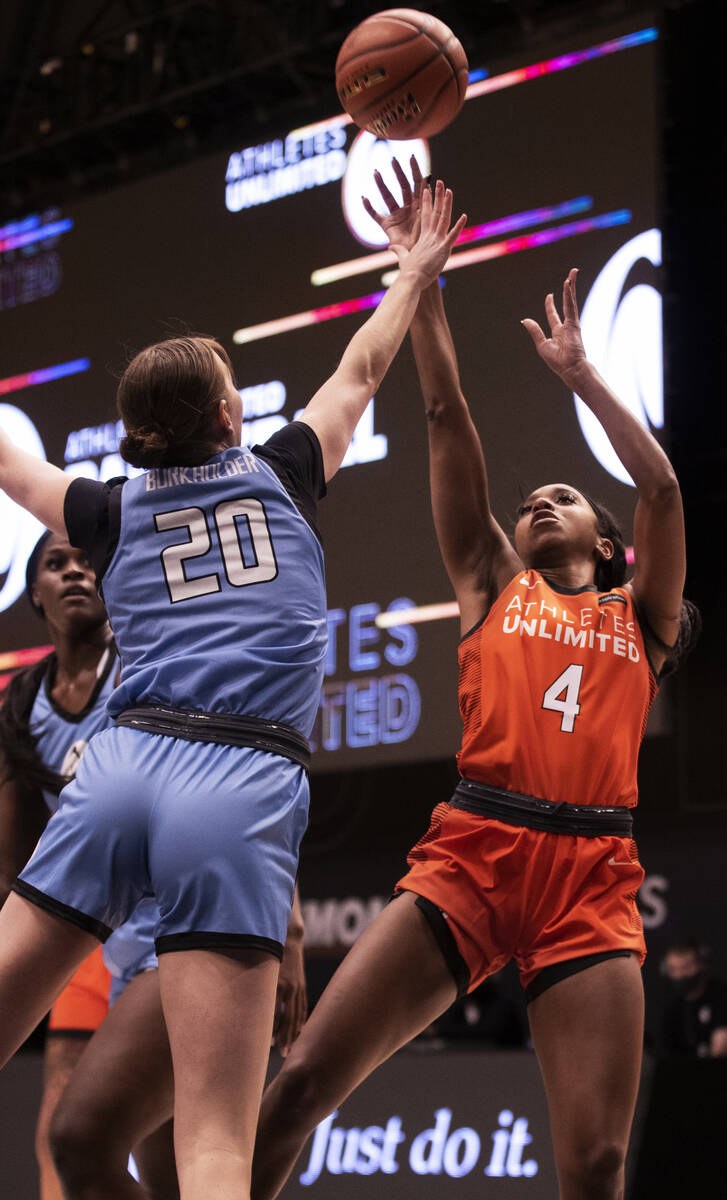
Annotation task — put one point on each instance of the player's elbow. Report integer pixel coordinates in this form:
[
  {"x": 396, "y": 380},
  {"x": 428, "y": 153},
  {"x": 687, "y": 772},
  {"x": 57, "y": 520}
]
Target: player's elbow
[
  {"x": 662, "y": 492},
  {"x": 445, "y": 408},
  {"x": 434, "y": 407},
  {"x": 370, "y": 376}
]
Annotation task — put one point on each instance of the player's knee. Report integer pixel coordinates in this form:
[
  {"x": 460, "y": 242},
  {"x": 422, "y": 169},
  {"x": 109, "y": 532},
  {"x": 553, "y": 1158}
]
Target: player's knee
[
  {"x": 74, "y": 1143},
  {"x": 297, "y": 1092},
  {"x": 598, "y": 1164}
]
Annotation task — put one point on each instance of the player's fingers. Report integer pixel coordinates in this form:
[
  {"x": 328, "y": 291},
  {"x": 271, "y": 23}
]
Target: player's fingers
[
  {"x": 282, "y": 1016},
  {"x": 371, "y": 210},
  {"x": 416, "y": 175},
  {"x": 551, "y": 313},
  {"x": 386, "y": 195},
  {"x": 426, "y": 209},
  {"x": 457, "y": 229},
  {"x": 445, "y": 215},
  {"x": 286, "y": 1036},
  {"x": 438, "y": 196},
  {"x": 406, "y": 193},
  {"x": 535, "y": 331},
  {"x": 299, "y": 1014},
  {"x": 570, "y": 304},
  {"x": 303, "y": 1011}
]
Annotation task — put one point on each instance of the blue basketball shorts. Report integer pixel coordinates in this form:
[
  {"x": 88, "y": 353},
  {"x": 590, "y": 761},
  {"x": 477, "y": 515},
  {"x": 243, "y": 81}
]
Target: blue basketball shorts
[
  {"x": 211, "y": 831},
  {"x": 130, "y": 949}
]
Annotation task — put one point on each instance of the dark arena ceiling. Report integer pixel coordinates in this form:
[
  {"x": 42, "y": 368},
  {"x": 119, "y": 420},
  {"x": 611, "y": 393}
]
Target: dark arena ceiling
[{"x": 94, "y": 93}]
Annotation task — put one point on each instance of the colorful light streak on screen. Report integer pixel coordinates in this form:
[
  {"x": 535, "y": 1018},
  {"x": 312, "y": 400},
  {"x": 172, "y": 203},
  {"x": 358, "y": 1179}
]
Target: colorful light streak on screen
[
  {"x": 15, "y": 241},
  {"x": 528, "y": 241},
  {"x": 496, "y": 83},
  {"x": 473, "y": 233},
  {"x": 16, "y": 383}
]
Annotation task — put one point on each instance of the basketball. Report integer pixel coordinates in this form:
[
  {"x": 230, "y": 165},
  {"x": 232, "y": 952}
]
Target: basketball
[{"x": 401, "y": 74}]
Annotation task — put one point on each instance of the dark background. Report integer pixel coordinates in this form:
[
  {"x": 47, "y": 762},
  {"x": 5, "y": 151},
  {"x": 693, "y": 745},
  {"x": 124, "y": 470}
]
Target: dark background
[
  {"x": 637, "y": 129},
  {"x": 90, "y": 136},
  {"x": 164, "y": 250}
]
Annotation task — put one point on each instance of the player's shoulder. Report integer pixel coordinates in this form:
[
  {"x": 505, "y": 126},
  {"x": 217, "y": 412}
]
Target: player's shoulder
[{"x": 26, "y": 682}]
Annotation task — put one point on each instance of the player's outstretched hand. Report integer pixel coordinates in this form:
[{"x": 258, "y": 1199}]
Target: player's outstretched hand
[
  {"x": 432, "y": 248},
  {"x": 401, "y": 222},
  {"x": 563, "y": 351}
]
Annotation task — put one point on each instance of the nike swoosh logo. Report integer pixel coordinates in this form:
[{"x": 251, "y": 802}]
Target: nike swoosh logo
[{"x": 616, "y": 862}]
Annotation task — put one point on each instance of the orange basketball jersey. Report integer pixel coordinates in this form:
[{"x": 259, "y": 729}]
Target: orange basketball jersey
[
  {"x": 84, "y": 1001},
  {"x": 554, "y": 691}
]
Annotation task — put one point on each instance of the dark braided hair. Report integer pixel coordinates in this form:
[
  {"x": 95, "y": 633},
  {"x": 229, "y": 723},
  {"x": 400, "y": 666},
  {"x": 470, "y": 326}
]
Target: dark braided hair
[
  {"x": 19, "y": 748},
  {"x": 611, "y": 573}
]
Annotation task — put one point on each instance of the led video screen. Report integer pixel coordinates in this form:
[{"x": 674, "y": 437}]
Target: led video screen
[{"x": 267, "y": 247}]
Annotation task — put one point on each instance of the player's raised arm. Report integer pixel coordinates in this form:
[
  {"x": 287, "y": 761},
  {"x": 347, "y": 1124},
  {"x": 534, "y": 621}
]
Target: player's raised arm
[
  {"x": 477, "y": 554},
  {"x": 34, "y": 484},
  {"x": 659, "y": 550},
  {"x": 339, "y": 404}
]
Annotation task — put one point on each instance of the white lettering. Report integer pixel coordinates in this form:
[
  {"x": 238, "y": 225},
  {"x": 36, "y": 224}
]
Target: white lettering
[
  {"x": 652, "y": 901},
  {"x": 519, "y": 1139},
  {"x": 318, "y": 1151},
  {"x": 338, "y": 923},
  {"x": 276, "y": 176},
  {"x": 461, "y": 1152},
  {"x": 500, "y": 1142},
  {"x": 353, "y": 1151},
  {"x": 427, "y": 1149},
  {"x": 571, "y": 638},
  {"x": 435, "y": 1151}
]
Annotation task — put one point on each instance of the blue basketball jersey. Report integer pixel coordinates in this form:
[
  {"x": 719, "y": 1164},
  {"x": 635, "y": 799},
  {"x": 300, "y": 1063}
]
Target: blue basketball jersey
[
  {"x": 61, "y": 736},
  {"x": 215, "y": 587}
]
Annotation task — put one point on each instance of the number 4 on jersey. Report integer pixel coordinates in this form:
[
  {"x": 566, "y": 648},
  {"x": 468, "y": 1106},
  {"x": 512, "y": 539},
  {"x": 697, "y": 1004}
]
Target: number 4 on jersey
[{"x": 562, "y": 696}]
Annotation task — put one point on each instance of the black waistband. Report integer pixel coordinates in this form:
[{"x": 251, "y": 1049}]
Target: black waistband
[
  {"x": 227, "y": 729},
  {"x": 550, "y": 816}
]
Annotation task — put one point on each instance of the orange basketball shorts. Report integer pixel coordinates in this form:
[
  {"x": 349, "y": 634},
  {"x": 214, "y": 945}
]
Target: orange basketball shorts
[
  {"x": 512, "y": 892},
  {"x": 84, "y": 1002}
]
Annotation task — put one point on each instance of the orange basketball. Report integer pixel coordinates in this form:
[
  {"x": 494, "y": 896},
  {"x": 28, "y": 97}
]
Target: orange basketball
[{"x": 401, "y": 74}]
